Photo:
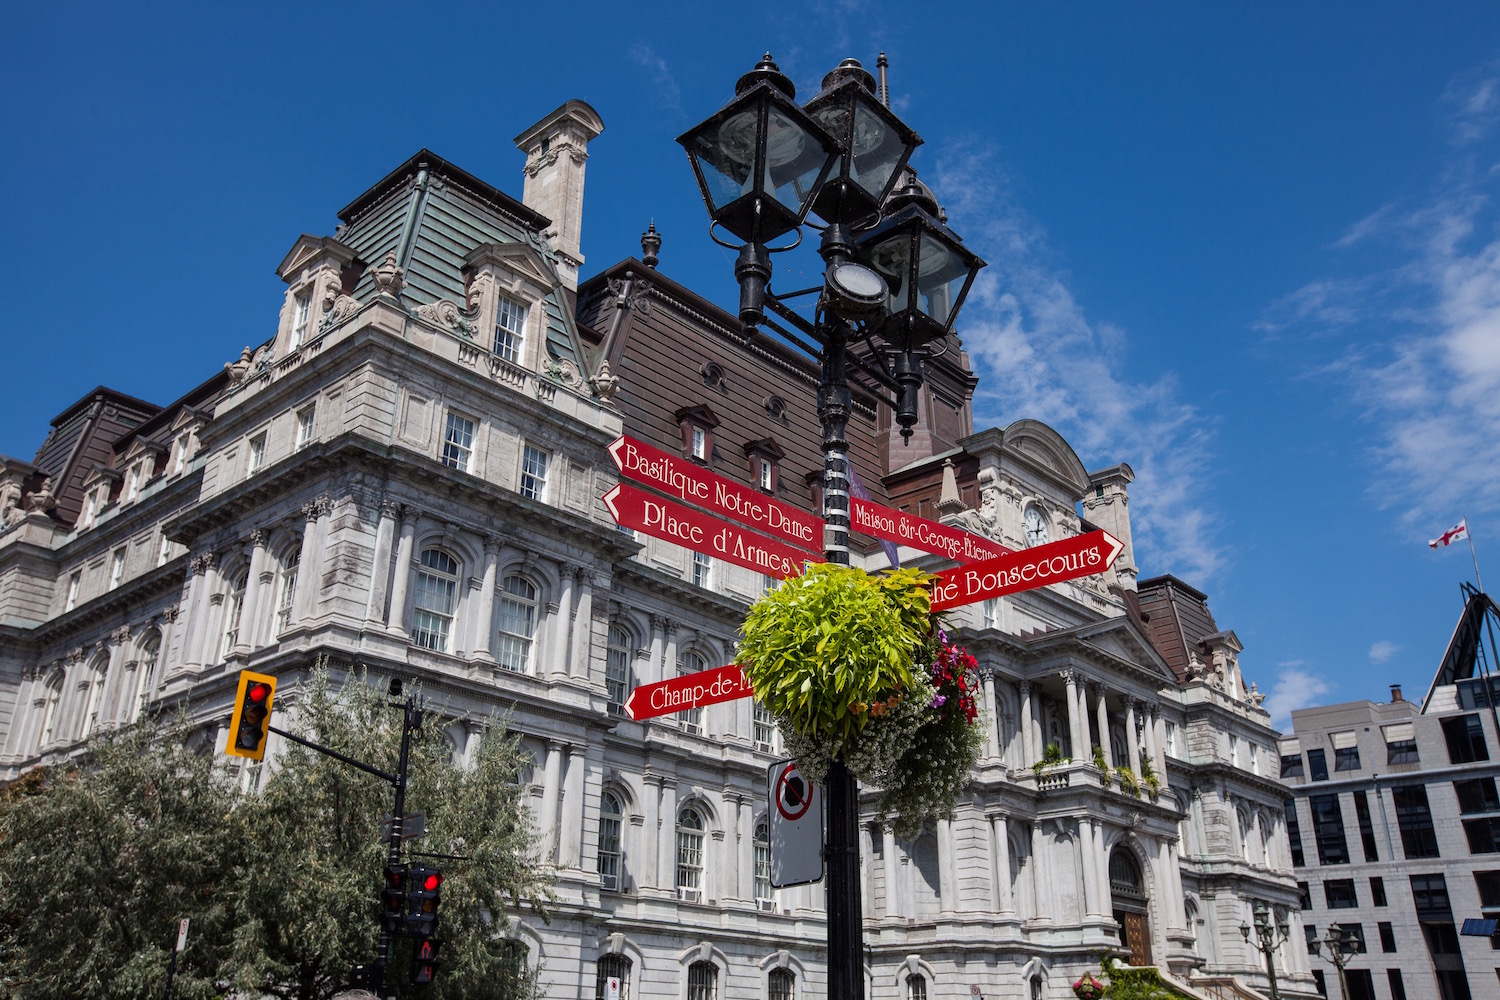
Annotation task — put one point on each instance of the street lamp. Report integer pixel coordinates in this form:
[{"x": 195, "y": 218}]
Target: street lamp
[
  {"x": 1341, "y": 947},
  {"x": 894, "y": 278},
  {"x": 1267, "y": 940}
]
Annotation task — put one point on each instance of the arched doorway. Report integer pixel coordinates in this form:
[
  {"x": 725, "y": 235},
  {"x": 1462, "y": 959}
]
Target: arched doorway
[{"x": 1128, "y": 899}]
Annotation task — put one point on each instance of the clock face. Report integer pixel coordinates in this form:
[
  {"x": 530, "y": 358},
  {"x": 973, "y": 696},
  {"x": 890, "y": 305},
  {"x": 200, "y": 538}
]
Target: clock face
[{"x": 1036, "y": 527}]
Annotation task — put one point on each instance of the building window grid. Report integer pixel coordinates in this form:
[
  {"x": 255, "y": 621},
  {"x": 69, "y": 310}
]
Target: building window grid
[
  {"x": 1418, "y": 837},
  {"x": 1338, "y": 894},
  {"x": 781, "y": 985},
  {"x": 145, "y": 675},
  {"x": 1346, "y": 759},
  {"x": 612, "y": 967},
  {"x": 1398, "y": 988},
  {"x": 703, "y": 981},
  {"x": 518, "y": 601},
  {"x": 510, "y": 329},
  {"x": 1465, "y": 738},
  {"x": 1366, "y": 827},
  {"x": 916, "y": 987},
  {"x": 287, "y": 592},
  {"x": 703, "y": 570},
  {"x": 182, "y": 453},
  {"x": 1387, "y": 937},
  {"x": 764, "y": 724},
  {"x": 1402, "y": 752},
  {"x": 305, "y": 418},
  {"x": 436, "y": 597},
  {"x": 610, "y": 817},
  {"x": 1483, "y": 834},
  {"x": 232, "y": 616},
  {"x": 1328, "y": 829},
  {"x": 692, "y": 718},
  {"x": 1476, "y": 796},
  {"x": 1294, "y": 833},
  {"x": 700, "y": 444},
  {"x": 1317, "y": 764},
  {"x": 1377, "y": 890},
  {"x": 534, "y": 462},
  {"x": 116, "y": 568},
  {"x": 690, "y": 829},
  {"x": 256, "y": 454},
  {"x": 301, "y": 313},
  {"x": 762, "y": 842},
  {"x": 458, "y": 442},
  {"x": 75, "y": 580},
  {"x": 617, "y": 669}
]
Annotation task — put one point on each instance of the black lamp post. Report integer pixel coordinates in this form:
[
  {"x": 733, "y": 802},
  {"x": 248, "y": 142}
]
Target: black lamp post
[
  {"x": 762, "y": 164},
  {"x": 1267, "y": 940},
  {"x": 1341, "y": 947}
]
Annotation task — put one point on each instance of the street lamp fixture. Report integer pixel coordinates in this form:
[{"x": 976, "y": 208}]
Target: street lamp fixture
[
  {"x": 894, "y": 279},
  {"x": 1341, "y": 947},
  {"x": 1267, "y": 940}
]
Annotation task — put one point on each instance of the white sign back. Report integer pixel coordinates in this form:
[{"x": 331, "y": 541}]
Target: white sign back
[
  {"x": 796, "y": 826},
  {"x": 182, "y": 926}
]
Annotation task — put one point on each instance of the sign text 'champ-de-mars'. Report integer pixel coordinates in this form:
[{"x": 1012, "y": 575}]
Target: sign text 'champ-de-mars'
[{"x": 677, "y": 694}]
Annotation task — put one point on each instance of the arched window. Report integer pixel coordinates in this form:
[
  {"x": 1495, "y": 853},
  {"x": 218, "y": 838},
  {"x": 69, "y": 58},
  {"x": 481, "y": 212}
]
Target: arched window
[
  {"x": 51, "y": 697},
  {"x": 145, "y": 676},
  {"x": 93, "y": 698},
  {"x": 703, "y": 981},
  {"x": 690, "y": 827},
  {"x": 437, "y": 594},
  {"x": 286, "y": 588},
  {"x": 781, "y": 985},
  {"x": 233, "y": 612},
  {"x": 692, "y": 719},
  {"x": 514, "y": 956},
  {"x": 916, "y": 987},
  {"x": 762, "y": 842},
  {"x": 617, "y": 669},
  {"x": 517, "y": 623},
  {"x": 612, "y": 967},
  {"x": 610, "y": 816}
]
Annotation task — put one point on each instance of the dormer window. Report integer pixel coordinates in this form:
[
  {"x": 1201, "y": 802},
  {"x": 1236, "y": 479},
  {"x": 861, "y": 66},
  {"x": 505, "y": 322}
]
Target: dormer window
[
  {"x": 301, "y": 316},
  {"x": 700, "y": 444},
  {"x": 697, "y": 425},
  {"x": 183, "y": 440},
  {"x": 767, "y": 474},
  {"x": 90, "y": 508},
  {"x": 765, "y": 458},
  {"x": 133, "y": 487},
  {"x": 510, "y": 329}
]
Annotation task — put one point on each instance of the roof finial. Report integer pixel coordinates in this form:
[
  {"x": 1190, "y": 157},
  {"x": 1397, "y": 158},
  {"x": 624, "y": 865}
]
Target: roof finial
[
  {"x": 884, "y": 90},
  {"x": 650, "y": 244}
]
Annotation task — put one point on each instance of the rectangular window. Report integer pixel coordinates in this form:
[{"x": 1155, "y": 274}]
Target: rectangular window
[
  {"x": 1338, "y": 894},
  {"x": 305, "y": 426},
  {"x": 1400, "y": 743},
  {"x": 134, "y": 488},
  {"x": 1328, "y": 829},
  {"x": 1361, "y": 984},
  {"x": 1471, "y": 693},
  {"x": 73, "y": 583},
  {"x": 765, "y": 474},
  {"x": 1430, "y": 896},
  {"x": 765, "y": 727},
  {"x": 1318, "y": 981},
  {"x": 1465, "y": 737},
  {"x": 116, "y": 568},
  {"x": 1346, "y": 759},
  {"x": 1398, "y": 988},
  {"x": 700, "y": 444},
  {"x": 1294, "y": 833},
  {"x": 1418, "y": 837},
  {"x": 301, "y": 314},
  {"x": 1291, "y": 766},
  {"x": 1304, "y": 896},
  {"x": 1234, "y": 750},
  {"x": 1488, "y": 884},
  {"x": 1318, "y": 764},
  {"x": 1355, "y": 933},
  {"x": 182, "y": 453},
  {"x": 1254, "y": 759},
  {"x": 90, "y": 506},
  {"x": 1171, "y": 739},
  {"x": 164, "y": 552},
  {"x": 1387, "y": 937},
  {"x": 1377, "y": 891},
  {"x": 257, "y": 453},
  {"x": 1310, "y": 932},
  {"x": 1366, "y": 828},
  {"x": 1483, "y": 834},
  {"x": 1477, "y": 796},
  {"x": 703, "y": 570},
  {"x": 510, "y": 330},
  {"x": 458, "y": 442},
  {"x": 534, "y": 462}
]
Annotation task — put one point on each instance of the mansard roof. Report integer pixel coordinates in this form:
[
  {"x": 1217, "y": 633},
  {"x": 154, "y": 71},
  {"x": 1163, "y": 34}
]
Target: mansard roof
[
  {"x": 82, "y": 436},
  {"x": 1177, "y": 619}
]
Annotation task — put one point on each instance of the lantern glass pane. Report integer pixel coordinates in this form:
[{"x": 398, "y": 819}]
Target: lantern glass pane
[
  {"x": 892, "y": 258},
  {"x": 794, "y": 161},
  {"x": 940, "y": 278},
  {"x": 877, "y": 151},
  {"x": 726, "y": 153}
]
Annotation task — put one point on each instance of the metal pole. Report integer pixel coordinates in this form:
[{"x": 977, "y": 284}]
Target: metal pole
[
  {"x": 846, "y": 980},
  {"x": 171, "y": 970},
  {"x": 383, "y": 947},
  {"x": 1267, "y": 948}
]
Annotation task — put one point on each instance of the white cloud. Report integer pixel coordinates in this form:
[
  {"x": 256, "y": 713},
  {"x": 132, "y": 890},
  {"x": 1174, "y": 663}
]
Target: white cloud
[
  {"x": 1041, "y": 355},
  {"x": 664, "y": 85},
  {"x": 1382, "y": 651},
  {"x": 1296, "y": 687}
]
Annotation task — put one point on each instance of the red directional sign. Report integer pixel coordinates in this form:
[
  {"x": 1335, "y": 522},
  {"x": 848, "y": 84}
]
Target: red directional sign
[
  {"x": 678, "y": 694},
  {"x": 696, "y": 485},
  {"x": 918, "y": 532},
  {"x": 1055, "y": 562},
  {"x": 698, "y": 531}
]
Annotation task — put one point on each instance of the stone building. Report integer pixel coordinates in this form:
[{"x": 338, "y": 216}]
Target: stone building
[
  {"x": 406, "y": 474},
  {"x": 1396, "y": 836}
]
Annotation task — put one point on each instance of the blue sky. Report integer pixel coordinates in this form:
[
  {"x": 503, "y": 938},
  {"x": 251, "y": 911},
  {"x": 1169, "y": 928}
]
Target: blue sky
[{"x": 1250, "y": 249}]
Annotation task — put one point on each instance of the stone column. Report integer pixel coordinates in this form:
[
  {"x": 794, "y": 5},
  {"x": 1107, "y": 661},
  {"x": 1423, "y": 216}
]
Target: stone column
[
  {"x": 197, "y": 619},
  {"x": 1132, "y": 738},
  {"x": 1000, "y": 851},
  {"x": 557, "y": 656},
  {"x": 570, "y": 841},
  {"x": 1089, "y": 867},
  {"x": 892, "y": 867},
  {"x": 314, "y": 514},
  {"x": 747, "y": 841},
  {"x": 1148, "y": 736},
  {"x": 116, "y": 676},
  {"x": 396, "y": 618},
  {"x": 1159, "y": 739},
  {"x": 992, "y": 708},
  {"x": 1080, "y": 742},
  {"x": 551, "y": 783},
  {"x": 655, "y": 672},
  {"x": 947, "y": 891},
  {"x": 1027, "y": 720},
  {"x": 254, "y": 593},
  {"x": 1041, "y": 888},
  {"x": 473, "y": 735},
  {"x": 1101, "y": 711},
  {"x": 651, "y": 785},
  {"x": 583, "y": 626},
  {"x": 484, "y": 634},
  {"x": 380, "y": 565},
  {"x": 666, "y": 842}
]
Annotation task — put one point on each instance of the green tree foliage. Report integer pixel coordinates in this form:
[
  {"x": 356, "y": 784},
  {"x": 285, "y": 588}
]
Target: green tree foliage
[{"x": 281, "y": 885}]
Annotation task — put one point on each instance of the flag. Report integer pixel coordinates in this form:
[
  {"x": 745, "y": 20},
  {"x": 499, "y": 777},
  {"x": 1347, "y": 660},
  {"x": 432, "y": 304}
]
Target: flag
[{"x": 1457, "y": 533}]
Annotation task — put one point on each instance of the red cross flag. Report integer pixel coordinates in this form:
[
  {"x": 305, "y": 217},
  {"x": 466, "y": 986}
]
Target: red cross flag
[{"x": 1457, "y": 533}]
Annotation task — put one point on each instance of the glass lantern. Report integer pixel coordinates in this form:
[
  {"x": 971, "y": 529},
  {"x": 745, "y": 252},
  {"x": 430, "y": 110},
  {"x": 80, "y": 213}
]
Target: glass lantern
[
  {"x": 873, "y": 143},
  {"x": 928, "y": 270}
]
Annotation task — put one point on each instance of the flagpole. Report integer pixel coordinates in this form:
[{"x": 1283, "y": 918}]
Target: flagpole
[{"x": 1469, "y": 534}]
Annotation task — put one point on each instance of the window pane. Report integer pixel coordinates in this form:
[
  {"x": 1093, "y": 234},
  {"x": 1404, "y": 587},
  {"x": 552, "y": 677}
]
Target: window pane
[
  {"x": 692, "y": 718},
  {"x": 287, "y": 592},
  {"x": 782, "y": 985},
  {"x": 1377, "y": 891},
  {"x": 458, "y": 442},
  {"x": 534, "y": 463},
  {"x": 510, "y": 328},
  {"x": 1465, "y": 738},
  {"x": 613, "y": 967},
  {"x": 703, "y": 981},
  {"x": 1294, "y": 833},
  {"x": 1339, "y": 894},
  {"x": 1291, "y": 765},
  {"x": 762, "y": 861},
  {"x": 1477, "y": 796},
  {"x": 1318, "y": 764},
  {"x": 690, "y": 850},
  {"x": 1418, "y": 838},
  {"x": 1346, "y": 759},
  {"x": 1328, "y": 829},
  {"x": 517, "y": 623},
  {"x": 609, "y": 841},
  {"x": 436, "y": 595},
  {"x": 1366, "y": 828},
  {"x": 617, "y": 669}
]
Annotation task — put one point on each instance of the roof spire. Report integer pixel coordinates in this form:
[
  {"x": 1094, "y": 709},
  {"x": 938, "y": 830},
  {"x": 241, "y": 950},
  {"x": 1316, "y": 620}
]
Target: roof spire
[
  {"x": 883, "y": 92},
  {"x": 650, "y": 244}
]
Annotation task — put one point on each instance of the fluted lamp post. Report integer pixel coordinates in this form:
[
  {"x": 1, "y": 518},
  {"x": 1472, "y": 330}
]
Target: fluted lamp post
[
  {"x": 1267, "y": 940},
  {"x": 1341, "y": 947},
  {"x": 763, "y": 164}
]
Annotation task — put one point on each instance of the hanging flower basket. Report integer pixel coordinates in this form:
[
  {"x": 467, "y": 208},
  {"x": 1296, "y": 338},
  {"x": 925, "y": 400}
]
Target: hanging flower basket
[
  {"x": 1088, "y": 988},
  {"x": 854, "y": 668}
]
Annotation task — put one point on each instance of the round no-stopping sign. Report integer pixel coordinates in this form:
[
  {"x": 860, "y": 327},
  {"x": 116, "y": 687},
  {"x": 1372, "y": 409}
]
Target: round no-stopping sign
[{"x": 793, "y": 797}]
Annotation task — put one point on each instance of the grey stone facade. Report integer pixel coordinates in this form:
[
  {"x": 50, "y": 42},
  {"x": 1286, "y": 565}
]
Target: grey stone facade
[{"x": 406, "y": 475}]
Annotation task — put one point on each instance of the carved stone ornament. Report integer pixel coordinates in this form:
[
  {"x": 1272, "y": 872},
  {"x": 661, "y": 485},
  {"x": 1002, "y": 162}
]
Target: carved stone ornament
[
  {"x": 389, "y": 277},
  {"x": 629, "y": 294},
  {"x": 240, "y": 370},
  {"x": 120, "y": 636},
  {"x": 1256, "y": 696},
  {"x": 565, "y": 372},
  {"x": 337, "y": 307},
  {"x": 75, "y": 655},
  {"x": 447, "y": 315},
  {"x": 42, "y": 501},
  {"x": 170, "y": 614},
  {"x": 605, "y": 384}
]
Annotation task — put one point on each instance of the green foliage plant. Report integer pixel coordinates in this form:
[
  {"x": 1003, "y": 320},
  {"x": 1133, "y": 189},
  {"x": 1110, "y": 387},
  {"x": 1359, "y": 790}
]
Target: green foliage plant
[
  {"x": 1102, "y": 765},
  {"x": 1128, "y": 781},
  {"x": 1130, "y": 982},
  {"x": 1052, "y": 756},
  {"x": 1150, "y": 778}
]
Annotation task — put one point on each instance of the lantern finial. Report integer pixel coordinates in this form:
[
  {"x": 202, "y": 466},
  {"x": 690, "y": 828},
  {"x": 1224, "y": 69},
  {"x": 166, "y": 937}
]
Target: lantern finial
[{"x": 768, "y": 71}]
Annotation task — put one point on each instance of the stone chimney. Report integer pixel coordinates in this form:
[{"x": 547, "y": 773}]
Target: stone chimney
[
  {"x": 556, "y": 148},
  {"x": 1108, "y": 506}
]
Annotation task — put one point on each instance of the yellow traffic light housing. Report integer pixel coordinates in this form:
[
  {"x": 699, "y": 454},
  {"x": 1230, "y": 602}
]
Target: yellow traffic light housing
[{"x": 251, "y": 721}]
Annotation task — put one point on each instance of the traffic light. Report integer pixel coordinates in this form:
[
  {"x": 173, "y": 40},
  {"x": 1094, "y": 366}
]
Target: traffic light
[
  {"x": 251, "y": 720},
  {"x": 424, "y": 961},
  {"x": 424, "y": 889},
  {"x": 393, "y": 900}
]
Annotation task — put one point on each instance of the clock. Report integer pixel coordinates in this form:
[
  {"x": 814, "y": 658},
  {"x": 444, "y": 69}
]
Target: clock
[{"x": 1036, "y": 526}]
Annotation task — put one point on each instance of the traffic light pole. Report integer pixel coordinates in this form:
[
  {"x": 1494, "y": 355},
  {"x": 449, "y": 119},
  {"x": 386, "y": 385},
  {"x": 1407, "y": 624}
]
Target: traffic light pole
[{"x": 412, "y": 720}]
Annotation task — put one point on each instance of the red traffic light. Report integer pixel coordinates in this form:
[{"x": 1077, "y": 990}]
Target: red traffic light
[
  {"x": 250, "y": 722},
  {"x": 258, "y": 692},
  {"x": 432, "y": 881}
]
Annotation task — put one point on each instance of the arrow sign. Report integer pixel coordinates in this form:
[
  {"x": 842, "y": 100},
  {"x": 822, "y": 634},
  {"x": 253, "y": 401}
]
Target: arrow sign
[
  {"x": 696, "y": 485},
  {"x": 698, "y": 531},
  {"x": 1055, "y": 562},
  {"x": 918, "y": 532},
  {"x": 678, "y": 694}
]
